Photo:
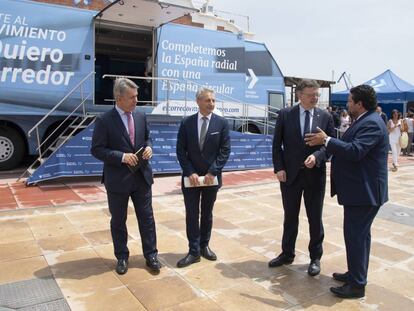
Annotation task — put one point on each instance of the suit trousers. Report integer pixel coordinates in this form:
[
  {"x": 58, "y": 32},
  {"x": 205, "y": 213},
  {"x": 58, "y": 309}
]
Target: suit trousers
[
  {"x": 357, "y": 235},
  {"x": 199, "y": 228},
  {"x": 310, "y": 183},
  {"x": 141, "y": 196}
]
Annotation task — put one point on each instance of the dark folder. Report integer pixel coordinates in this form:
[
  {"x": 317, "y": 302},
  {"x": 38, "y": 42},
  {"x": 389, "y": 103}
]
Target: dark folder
[{"x": 141, "y": 160}]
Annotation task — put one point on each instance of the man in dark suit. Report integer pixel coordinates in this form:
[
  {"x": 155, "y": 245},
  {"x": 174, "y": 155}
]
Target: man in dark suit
[
  {"x": 203, "y": 148},
  {"x": 301, "y": 169},
  {"x": 118, "y": 134},
  {"x": 359, "y": 179},
  {"x": 382, "y": 115}
]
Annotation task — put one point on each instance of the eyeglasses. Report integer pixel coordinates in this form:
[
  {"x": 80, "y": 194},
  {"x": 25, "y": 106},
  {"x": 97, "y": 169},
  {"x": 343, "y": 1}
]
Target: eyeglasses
[{"x": 312, "y": 94}]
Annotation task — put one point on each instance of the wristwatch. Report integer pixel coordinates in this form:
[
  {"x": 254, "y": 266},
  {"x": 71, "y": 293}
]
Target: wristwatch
[{"x": 325, "y": 139}]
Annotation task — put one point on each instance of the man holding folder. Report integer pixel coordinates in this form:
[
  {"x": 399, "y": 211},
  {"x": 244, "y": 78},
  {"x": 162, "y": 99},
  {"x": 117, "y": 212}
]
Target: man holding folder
[{"x": 203, "y": 147}]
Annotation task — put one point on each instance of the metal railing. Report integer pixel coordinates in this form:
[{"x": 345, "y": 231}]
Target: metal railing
[
  {"x": 265, "y": 111},
  {"x": 245, "y": 119},
  {"x": 79, "y": 86},
  {"x": 168, "y": 80}
]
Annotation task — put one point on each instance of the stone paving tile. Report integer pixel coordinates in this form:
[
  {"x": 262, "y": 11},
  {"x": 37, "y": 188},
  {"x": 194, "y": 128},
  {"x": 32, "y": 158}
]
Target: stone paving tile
[
  {"x": 248, "y": 296},
  {"x": 78, "y": 251},
  {"x": 62, "y": 243},
  {"x": 23, "y": 269},
  {"x": 214, "y": 278},
  {"x": 199, "y": 304},
  {"x": 165, "y": 292},
  {"x": 19, "y": 250},
  {"x": 388, "y": 253},
  {"x": 395, "y": 280},
  {"x": 14, "y": 230},
  {"x": 98, "y": 237}
]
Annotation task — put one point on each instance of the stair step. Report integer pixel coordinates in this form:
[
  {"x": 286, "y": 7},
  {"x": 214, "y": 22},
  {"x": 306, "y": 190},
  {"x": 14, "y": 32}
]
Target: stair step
[
  {"x": 31, "y": 171},
  {"x": 83, "y": 126}
]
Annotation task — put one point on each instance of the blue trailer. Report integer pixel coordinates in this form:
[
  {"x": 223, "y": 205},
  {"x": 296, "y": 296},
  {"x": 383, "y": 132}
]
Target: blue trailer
[{"x": 57, "y": 65}]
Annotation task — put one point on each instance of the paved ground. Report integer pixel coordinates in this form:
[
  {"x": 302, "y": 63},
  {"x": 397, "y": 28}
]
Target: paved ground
[{"x": 61, "y": 255}]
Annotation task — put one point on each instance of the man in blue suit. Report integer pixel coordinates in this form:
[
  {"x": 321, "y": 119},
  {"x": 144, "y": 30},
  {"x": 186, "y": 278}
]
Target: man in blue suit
[
  {"x": 301, "y": 170},
  {"x": 359, "y": 179},
  {"x": 118, "y": 134},
  {"x": 203, "y": 148}
]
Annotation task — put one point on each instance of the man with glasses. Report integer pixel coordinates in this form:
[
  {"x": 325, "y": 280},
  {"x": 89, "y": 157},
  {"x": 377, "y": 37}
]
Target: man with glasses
[{"x": 301, "y": 170}]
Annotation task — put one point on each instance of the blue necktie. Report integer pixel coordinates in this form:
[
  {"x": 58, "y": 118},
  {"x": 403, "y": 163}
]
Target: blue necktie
[{"x": 306, "y": 128}]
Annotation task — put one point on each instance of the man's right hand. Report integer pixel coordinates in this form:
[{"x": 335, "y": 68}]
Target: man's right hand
[
  {"x": 194, "y": 180},
  {"x": 281, "y": 176},
  {"x": 130, "y": 158}
]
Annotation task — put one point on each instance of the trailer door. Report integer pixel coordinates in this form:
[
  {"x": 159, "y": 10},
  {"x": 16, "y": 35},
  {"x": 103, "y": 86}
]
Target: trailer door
[{"x": 147, "y": 13}]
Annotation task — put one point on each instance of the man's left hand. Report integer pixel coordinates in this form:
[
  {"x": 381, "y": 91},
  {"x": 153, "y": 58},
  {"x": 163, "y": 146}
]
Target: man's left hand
[
  {"x": 147, "y": 154},
  {"x": 315, "y": 139},
  {"x": 208, "y": 179},
  {"x": 310, "y": 161}
]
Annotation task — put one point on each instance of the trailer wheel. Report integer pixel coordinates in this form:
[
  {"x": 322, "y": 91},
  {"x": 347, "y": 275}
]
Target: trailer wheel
[{"x": 12, "y": 148}]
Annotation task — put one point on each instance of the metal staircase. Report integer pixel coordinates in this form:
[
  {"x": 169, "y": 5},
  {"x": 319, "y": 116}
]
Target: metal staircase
[{"x": 74, "y": 122}]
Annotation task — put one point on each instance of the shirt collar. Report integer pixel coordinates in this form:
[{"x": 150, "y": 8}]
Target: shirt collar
[
  {"x": 200, "y": 116},
  {"x": 359, "y": 117},
  {"x": 120, "y": 111},
  {"x": 302, "y": 110}
]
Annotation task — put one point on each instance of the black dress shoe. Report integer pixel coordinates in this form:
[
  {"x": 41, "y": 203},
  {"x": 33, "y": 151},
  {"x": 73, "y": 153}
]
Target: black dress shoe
[
  {"x": 207, "y": 253},
  {"x": 122, "y": 266},
  {"x": 153, "y": 264},
  {"x": 314, "y": 267},
  {"x": 341, "y": 277},
  {"x": 280, "y": 261},
  {"x": 348, "y": 291},
  {"x": 187, "y": 260}
]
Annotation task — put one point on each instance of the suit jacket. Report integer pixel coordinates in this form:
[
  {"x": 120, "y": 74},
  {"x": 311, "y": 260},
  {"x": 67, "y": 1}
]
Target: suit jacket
[
  {"x": 216, "y": 150},
  {"x": 359, "y": 173},
  {"x": 289, "y": 148},
  {"x": 110, "y": 141}
]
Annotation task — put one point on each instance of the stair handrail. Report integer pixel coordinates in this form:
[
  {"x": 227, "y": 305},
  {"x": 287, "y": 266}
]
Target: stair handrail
[
  {"x": 63, "y": 122},
  {"x": 245, "y": 109},
  {"x": 36, "y": 126}
]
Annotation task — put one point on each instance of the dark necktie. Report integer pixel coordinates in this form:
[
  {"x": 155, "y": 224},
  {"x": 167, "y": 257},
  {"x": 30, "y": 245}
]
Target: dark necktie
[
  {"x": 306, "y": 128},
  {"x": 203, "y": 132},
  {"x": 131, "y": 128}
]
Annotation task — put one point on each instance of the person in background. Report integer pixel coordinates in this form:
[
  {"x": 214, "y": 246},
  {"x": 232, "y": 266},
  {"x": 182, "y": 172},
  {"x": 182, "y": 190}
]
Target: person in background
[
  {"x": 394, "y": 133},
  {"x": 359, "y": 179},
  {"x": 382, "y": 115},
  {"x": 117, "y": 135},
  {"x": 301, "y": 171},
  {"x": 345, "y": 120},
  {"x": 203, "y": 148},
  {"x": 410, "y": 131},
  {"x": 335, "y": 117}
]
